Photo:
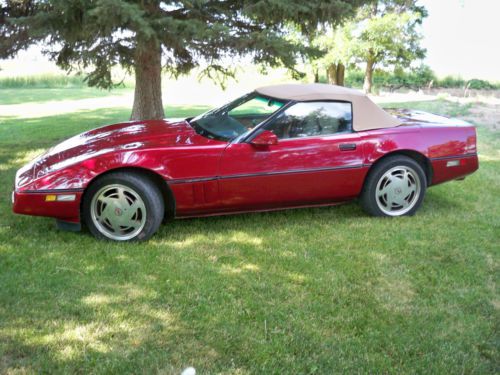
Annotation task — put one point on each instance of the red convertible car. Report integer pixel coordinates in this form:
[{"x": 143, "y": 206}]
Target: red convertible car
[{"x": 278, "y": 147}]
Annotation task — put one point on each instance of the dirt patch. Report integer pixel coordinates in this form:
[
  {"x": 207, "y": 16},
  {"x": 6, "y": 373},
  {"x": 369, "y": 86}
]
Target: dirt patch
[
  {"x": 485, "y": 114},
  {"x": 483, "y": 105},
  {"x": 463, "y": 93}
]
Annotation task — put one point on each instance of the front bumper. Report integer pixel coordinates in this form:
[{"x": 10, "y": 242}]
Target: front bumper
[{"x": 36, "y": 204}]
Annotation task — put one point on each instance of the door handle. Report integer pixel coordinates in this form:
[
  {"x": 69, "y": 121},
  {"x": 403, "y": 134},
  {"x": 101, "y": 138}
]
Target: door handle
[{"x": 347, "y": 146}]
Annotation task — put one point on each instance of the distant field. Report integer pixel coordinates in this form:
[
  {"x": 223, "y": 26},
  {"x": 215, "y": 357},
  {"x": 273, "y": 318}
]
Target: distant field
[{"x": 311, "y": 291}]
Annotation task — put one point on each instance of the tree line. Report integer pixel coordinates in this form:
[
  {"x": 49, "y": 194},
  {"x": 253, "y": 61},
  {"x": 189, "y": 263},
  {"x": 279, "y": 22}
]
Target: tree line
[
  {"x": 421, "y": 77},
  {"x": 383, "y": 34},
  {"x": 147, "y": 37}
]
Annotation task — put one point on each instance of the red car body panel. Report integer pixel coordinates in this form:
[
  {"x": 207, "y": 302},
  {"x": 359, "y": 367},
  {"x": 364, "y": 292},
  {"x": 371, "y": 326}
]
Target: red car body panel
[
  {"x": 34, "y": 204},
  {"x": 209, "y": 177},
  {"x": 293, "y": 172}
]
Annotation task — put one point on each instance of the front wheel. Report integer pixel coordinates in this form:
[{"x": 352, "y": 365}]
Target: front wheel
[
  {"x": 123, "y": 206},
  {"x": 395, "y": 187}
]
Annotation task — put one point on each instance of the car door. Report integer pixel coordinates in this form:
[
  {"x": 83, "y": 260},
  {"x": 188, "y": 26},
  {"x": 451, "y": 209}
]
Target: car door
[{"x": 318, "y": 159}]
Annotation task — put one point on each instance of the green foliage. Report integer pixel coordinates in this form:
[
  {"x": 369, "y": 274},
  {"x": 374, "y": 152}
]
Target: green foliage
[
  {"x": 355, "y": 78},
  {"x": 451, "y": 82},
  {"x": 418, "y": 78},
  {"x": 480, "y": 84},
  {"x": 339, "y": 45},
  {"x": 97, "y": 35},
  {"x": 389, "y": 39},
  {"x": 459, "y": 82},
  {"x": 384, "y": 33},
  {"x": 413, "y": 79}
]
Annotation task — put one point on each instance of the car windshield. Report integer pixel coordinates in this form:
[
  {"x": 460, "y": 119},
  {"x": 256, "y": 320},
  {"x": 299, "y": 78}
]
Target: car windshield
[{"x": 236, "y": 118}]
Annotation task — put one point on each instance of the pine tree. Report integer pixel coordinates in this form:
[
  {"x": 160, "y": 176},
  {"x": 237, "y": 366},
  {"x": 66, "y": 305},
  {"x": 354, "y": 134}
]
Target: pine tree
[{"x": 146, "y": 36}]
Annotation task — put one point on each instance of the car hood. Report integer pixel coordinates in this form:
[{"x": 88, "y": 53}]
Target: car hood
[{"x": 112, "y": 138}]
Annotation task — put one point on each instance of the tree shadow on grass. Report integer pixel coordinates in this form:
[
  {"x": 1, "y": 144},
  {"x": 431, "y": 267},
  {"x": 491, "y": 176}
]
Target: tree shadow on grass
[
  {"x": 209, "y": 295},
  {"x": 289, "y": 292},
  {"x": 200, "y": 300},
  {"x": 201, "y": 292}
]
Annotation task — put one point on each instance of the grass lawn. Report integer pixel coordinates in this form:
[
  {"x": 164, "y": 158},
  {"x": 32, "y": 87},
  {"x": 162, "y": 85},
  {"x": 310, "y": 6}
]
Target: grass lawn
[
  {"x": 36, "y": 95},
  {"x": 311, "y": 291}
]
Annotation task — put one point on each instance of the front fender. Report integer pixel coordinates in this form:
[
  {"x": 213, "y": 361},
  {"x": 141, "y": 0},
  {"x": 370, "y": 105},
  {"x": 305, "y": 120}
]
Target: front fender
[{"x": 71, "y": 174}]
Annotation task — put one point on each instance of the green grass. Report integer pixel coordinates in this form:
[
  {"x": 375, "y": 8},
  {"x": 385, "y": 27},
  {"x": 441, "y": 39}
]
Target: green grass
[
  {"x": 41, "y": 95},
  {"x": 47, "y": 81},
  {"x": 50, "y": 87},
  {"x": 310, "y": 291},
  {"x": 49, "y": 130}
]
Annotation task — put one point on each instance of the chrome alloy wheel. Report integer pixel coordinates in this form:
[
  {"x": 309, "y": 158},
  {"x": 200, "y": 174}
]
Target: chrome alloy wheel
[
  {"x": 118, "y": 212},
  {"x": 398, "y": 190}
]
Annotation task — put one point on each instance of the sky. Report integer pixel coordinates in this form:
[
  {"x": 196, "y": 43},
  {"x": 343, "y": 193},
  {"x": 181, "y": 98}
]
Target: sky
[{"x": 461, "y": 38}]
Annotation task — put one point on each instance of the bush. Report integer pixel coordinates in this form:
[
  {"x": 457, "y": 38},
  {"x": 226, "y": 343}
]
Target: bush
[
  {"x": 354, "y": 78},
  {"x": 415, "y": 79},
  {"x": 450, "y": 82},
  {"x": 479, "y": 84},
  {"x": 459, "y": 82}
]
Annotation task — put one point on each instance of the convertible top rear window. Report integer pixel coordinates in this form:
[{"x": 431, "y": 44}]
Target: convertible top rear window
[{"x": 309, "y": 119}]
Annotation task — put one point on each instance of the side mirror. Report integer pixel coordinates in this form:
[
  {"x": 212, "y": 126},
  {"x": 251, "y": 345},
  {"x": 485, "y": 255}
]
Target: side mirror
[{"x": 266, "y": 138}]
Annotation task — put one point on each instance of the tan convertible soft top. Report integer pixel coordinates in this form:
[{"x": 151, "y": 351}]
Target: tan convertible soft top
[{"x": 366, "y": 114}]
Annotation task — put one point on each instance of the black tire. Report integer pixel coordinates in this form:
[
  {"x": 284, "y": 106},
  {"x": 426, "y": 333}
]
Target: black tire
[
  {"x": 376, "y": 203},
  {"x": 139, "y": 191}
]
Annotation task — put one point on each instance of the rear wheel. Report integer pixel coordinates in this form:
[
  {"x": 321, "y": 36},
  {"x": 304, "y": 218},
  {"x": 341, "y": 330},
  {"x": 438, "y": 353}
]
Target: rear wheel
[
  {"x": 122, "y": 207},
  {"x": 395, "y": 187}
]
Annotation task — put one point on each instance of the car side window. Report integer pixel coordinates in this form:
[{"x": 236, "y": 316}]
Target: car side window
[{"x": 309, "y": 119}]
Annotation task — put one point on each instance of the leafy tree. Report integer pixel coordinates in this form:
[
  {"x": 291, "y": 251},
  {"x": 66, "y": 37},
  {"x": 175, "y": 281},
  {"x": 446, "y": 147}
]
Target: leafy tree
[
  {"x": 145, "y": 36},
  {"x": 388, "y": 34},
  {"x": 338, "y": 44},
  {"x": 382, "y": 33}
]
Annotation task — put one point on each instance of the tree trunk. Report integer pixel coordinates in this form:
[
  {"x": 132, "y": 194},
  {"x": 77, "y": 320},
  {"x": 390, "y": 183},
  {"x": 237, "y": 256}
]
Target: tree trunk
[
  {"x": 316, "y": 75},
  {"x": 367, "y": 86},
  {"x": 147, "y": 96},
  {"x": 331, "y": 72},
  {"x": 340, "y": 74}
]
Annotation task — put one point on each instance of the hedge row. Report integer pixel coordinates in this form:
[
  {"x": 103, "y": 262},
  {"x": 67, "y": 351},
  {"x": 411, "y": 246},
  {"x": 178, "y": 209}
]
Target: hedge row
[{"x": 422, "y": 77}]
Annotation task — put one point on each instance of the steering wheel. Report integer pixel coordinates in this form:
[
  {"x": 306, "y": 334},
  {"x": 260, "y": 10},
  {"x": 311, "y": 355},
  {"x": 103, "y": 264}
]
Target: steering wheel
[
  {"x": 318, "y": 125},
  {"x": 234, "y": 125}
]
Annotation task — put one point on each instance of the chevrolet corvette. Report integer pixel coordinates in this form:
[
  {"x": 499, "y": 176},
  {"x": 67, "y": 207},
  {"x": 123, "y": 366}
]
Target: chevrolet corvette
[{"x": 282, "y": 146}]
